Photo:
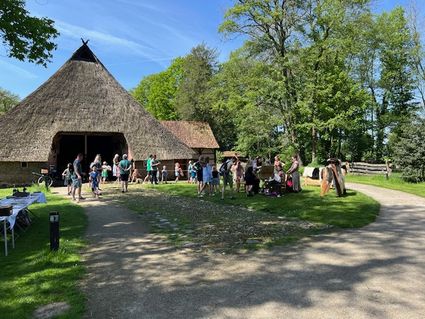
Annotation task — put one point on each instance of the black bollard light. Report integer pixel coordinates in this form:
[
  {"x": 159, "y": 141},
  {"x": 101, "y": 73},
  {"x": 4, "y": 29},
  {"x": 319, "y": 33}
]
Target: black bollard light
[{"x": 54, "y": 230}]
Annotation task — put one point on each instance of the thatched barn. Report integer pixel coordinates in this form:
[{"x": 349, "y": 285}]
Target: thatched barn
[
  {"x": 81, "y": 108},
  {"x": 197, "y": 135}
]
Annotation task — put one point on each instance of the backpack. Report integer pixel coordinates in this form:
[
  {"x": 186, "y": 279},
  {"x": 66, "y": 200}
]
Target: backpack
[{"x": 224, "y": 168}]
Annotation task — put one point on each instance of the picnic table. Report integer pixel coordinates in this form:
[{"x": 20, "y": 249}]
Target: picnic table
[{"x": 19, "y": 204}]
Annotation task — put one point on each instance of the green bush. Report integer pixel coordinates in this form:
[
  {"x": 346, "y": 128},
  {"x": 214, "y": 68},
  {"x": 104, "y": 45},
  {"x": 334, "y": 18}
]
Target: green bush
[{"x": 409, "y": 152}]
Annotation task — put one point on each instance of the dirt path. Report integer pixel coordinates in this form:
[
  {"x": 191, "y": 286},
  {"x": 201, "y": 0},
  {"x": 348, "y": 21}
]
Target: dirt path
[{"x": 374, "y": 272}]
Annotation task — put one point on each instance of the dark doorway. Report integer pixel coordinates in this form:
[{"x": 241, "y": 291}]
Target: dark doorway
[{"x": 106, "y": 144}]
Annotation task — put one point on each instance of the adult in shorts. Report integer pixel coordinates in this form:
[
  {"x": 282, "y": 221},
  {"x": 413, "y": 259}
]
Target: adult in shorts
[
  {"x": 125, "y": 167},
  {"x": 226, "y": 173},
  {"x": 77, "y": 178}
]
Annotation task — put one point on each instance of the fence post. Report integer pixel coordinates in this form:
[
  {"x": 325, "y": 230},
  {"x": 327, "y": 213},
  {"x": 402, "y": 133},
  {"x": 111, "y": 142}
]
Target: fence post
[{"x": 54, "y": 231}]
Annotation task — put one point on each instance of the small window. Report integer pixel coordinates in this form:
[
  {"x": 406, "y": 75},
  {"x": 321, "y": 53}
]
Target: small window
[{"x": 24, "y": 164}]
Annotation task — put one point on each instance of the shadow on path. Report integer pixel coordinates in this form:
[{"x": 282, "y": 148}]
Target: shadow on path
[{"x": 374, "y": 272}]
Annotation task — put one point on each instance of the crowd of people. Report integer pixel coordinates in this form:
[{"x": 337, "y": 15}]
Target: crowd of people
[{"x": 231, "y": 174}]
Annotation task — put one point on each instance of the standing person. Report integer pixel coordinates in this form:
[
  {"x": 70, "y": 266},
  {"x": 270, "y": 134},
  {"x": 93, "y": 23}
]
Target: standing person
[
  {"x": 256, "y": 164},
  {"x": 250, "y": 181},
  {"x": 226, "y": 172},
  {"x": 67, "y": 176},
  {"x": 278, "y": 164},
  {"x": 295, "y": 175},
  {"x": 115, "y": 167},
  {"x": 206, "y": 176},
  {"x": 154, "y": 170},
  {"x": 215, "y": 182},
  {"x": 237, "y": 172},
  {"x": 125, "y": 167},
  {"x": 190, "y": 170},
  {"x": 197, "y": 167},
  {"x": 97, "y": 162},
  {"x": 77, "y": 181},
  {"x": 148, "y": 168},
  {"x": 177, "y": 171},
  {"x": 164, "y": 175},
  {"x": 105, "y": 171},
  {"x": 94, "y": 181}
]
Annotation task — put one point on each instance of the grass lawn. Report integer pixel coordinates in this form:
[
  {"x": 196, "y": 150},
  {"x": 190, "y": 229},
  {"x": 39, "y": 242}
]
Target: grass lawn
[
  {"x": 353, "y": 210},
  {"x": 32, "y": 276},
  {"x": 244, "y": 222},
  {"x": 394, "y": 182}
]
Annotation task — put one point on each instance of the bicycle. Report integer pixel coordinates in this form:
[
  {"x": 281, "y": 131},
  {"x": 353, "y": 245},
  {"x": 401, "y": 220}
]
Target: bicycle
[{"x": 43, "y": 179}]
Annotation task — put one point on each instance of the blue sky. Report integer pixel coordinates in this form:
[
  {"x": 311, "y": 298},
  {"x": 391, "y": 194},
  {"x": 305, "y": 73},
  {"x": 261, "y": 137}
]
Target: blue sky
[{"x": 133, "y": 38}]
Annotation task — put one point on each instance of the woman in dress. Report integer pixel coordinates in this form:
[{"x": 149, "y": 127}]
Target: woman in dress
[
  {"x": 115, "y": 167},
  {"x": 237, "y": 172},
  {"x": 295, "y": 175}
]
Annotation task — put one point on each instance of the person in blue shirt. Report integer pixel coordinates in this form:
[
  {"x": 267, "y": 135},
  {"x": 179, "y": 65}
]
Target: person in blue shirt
[{"x": 94, "y": 181}]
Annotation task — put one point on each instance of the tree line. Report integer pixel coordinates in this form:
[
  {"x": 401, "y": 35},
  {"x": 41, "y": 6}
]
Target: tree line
[{"x": 318, "y": 77}]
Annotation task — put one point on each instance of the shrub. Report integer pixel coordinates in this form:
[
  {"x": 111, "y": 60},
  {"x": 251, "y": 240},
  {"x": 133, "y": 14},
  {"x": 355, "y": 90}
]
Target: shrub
[{"x": 409, "y": 152}]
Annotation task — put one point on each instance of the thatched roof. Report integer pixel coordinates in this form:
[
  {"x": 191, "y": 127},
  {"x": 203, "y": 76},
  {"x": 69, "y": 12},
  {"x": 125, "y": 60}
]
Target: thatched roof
[
  {"x": 193, "y": 134},
  {"x": 83, "y": 97}
]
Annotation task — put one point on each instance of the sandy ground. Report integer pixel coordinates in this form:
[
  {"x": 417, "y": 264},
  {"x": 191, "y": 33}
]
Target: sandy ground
[{"x": 374, "y": 272}]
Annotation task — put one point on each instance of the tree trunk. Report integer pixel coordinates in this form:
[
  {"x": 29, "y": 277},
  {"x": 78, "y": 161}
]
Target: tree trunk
[{"x": 313, "y": 144}]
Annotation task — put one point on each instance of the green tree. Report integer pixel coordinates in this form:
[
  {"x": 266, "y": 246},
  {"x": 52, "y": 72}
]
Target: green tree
[
  {"x": 241, "y": 118},
  {"x": 385, "y": 68},
  {"x": 409, "y": 151},
  {"x": 24, "y": 36},
  {"x": 7, "y": 100},
  {"x": 304, "y": 43},
  {"x": 199, "y": 66},
  {"x": 157, "y": 92},
  {"x": 418, "y": 53},
  {"x": 271, "y": 27}
]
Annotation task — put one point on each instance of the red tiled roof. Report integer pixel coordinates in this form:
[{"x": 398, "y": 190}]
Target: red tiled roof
[{"x": 193, "y": 134}]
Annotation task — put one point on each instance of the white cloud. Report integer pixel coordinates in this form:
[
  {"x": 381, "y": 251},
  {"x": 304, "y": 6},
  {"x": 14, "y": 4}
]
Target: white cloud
[
  {"x": 111, "y": 41},
  {"x": 16, "y": 70}
]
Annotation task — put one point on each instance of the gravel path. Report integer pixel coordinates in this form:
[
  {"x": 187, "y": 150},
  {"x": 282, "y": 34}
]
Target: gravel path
[{"x": 374, "y": 272}]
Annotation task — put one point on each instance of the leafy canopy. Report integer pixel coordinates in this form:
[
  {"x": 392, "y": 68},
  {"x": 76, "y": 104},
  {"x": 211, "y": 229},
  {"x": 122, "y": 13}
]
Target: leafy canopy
[{"x": 26, "y": 37}]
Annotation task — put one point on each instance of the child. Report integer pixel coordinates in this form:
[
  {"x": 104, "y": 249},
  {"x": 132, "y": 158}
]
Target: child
[
  {"x": 67, "y": 176},
  {"x": 136, "y": 176},
  {"x": 192, "y": 172},
  {"x": 215, "y": 179},
  {"x": 105, "y": 171},
  {"x": 164, "y": 174},
  {"x": 177, "y": 171},
  {"x": 94, "y": 182}
]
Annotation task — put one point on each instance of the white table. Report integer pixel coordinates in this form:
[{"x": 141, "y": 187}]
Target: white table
[{"x": 18, "y": 204}]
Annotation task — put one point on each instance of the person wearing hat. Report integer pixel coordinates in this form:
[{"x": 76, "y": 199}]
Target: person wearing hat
[{"x": 125, "y": 167}]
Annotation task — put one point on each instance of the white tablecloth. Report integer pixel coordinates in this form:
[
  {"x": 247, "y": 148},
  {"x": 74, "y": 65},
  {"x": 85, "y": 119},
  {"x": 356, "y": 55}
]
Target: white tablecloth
[{"x": 19, "y": 204}]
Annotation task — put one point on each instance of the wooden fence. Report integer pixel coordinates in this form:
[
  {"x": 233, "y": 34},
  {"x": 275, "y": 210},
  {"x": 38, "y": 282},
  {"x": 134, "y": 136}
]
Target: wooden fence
[{"x": 369, "y": 169}]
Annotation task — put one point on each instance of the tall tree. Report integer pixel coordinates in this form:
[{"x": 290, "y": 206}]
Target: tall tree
[
  {"x": 417, "y": 25},
  {"x": 385, "y": 67},
  {"x": 199, "y": 66},
  {"x": 157, "y": 92},
  {"x": 271, "y": 27},
  {"x": 301, "y": 41},
  {"x": 26, "y": 37}
]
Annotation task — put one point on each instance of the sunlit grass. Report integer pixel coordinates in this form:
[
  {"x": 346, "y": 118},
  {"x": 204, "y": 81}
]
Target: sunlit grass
[
  {"x": 394, "y": 182},
  {"x": 32, "y": 276},
  {"x": 353, "y": 210}
]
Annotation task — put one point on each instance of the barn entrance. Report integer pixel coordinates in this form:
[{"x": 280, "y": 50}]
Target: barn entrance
[{"x": 68, "y": 145}]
